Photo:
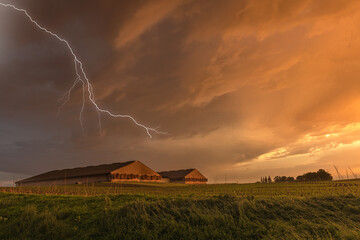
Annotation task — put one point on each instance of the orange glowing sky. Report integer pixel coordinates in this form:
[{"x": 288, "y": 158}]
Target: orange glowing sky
[{"x": 245, "y": 88}]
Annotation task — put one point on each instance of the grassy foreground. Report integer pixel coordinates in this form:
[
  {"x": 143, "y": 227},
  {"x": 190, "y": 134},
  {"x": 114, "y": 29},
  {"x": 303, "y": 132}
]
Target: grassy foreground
[{"x": 159, "y": 211}]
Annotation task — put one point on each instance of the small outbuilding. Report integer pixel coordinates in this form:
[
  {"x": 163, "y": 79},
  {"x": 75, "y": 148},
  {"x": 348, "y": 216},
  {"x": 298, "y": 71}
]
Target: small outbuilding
[
  {"x": 188, "y": 176},
  {"x": 134, "y": 171}
]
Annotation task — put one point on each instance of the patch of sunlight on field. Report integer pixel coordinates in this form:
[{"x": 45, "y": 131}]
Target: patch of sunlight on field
[{"x": 305, "y": 189}]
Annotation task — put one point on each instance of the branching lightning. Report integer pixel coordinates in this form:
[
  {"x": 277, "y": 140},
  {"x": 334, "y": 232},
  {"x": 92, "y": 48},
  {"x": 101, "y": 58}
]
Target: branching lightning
[{"x": 81, "y": 77}]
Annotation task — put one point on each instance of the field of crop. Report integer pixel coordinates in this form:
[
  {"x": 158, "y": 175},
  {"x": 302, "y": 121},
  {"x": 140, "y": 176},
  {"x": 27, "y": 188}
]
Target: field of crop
[
  {"x": 317, "y": 210},
  {"x": 306, "y": 189}
]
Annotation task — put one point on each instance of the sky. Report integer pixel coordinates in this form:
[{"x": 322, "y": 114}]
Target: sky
[{"x": 243, "y": 88}]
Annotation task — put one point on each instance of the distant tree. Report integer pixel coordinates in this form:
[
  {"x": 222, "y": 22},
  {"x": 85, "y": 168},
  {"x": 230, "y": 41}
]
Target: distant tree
[
  {"x": 324, "y": 175},
  {"x": 265, "y": 179},
  {"x": 279, "y": 179},
  {"x": 320, "y": 175},
  {"x": 269, "y": 179},
  {"x": 283, "y": 179},
  {"x": 300, "y": 178},
  {"x": 262, "y": 180},
  {"x": 290, "y": 179}
]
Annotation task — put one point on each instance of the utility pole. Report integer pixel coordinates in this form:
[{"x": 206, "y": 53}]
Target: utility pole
[
  {"x": 339, "y": 175},
  {"x": 355, "y": 176}
]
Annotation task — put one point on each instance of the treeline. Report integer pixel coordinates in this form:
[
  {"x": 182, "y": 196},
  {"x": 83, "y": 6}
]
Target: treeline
[
  {"x": 266, "y": 179},
  {"x": 320, "y": 175}
]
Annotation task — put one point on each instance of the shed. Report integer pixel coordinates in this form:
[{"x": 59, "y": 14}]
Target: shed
[{"x": 188, "y": 176}]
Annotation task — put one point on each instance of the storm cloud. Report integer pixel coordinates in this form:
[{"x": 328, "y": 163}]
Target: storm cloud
[{"x": 243, "y": 88}]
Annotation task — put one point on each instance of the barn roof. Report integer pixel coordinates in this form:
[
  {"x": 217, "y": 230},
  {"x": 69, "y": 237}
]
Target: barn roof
[
  {"x": 176, "y": 173},
  {"x": 77, "y": 172}
]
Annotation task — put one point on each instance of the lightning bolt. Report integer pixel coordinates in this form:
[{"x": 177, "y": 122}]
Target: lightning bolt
[{"x": 82, "y": 78}]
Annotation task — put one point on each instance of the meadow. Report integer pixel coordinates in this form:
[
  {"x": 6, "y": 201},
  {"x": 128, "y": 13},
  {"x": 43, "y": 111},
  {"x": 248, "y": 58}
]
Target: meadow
[{"x": 314, "y": 210}]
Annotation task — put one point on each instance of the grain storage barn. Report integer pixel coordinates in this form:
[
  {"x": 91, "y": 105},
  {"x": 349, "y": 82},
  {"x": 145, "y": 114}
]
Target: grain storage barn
[
  {"x": 188, "y": 176},
  {"x": 116, "y": 172}
]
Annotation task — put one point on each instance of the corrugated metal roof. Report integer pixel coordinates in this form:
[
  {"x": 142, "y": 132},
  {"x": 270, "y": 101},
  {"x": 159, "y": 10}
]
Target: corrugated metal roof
[
  {"x": 176, "y": 174},
  {"x": 77, "y": 172}
]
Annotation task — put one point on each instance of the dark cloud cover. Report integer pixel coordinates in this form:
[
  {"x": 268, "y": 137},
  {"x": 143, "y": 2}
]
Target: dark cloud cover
[{"x": 244, "y": 88}]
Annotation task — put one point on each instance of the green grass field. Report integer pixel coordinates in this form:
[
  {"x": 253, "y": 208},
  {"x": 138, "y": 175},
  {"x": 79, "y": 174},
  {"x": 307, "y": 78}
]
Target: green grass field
[{"x": 321, "y": 210}]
